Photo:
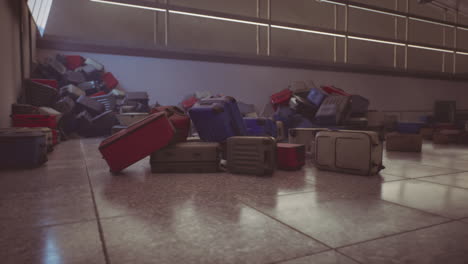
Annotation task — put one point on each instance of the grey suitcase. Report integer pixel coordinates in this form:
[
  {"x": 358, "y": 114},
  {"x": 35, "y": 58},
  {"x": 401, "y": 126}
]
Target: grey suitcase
[
  {"x": 251, "y": 155},
  {"x": 45, "y": 130},
  {"x": 92, "y": 106},
  {"x": 187, "y": 157},
  {"x": 75, "y": 77},
  {"x": 306, "y": 137},
  {"x": 333, "y": 111},
  {"x": 65, "y": 105},
  {"x": 353, "y": 152},
  {"x": 72, "y": 91}
]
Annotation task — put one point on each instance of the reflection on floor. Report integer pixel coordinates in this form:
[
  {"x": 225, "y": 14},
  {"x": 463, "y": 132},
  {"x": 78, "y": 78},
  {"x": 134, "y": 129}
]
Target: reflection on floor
[{"x": 74, "y": 211}]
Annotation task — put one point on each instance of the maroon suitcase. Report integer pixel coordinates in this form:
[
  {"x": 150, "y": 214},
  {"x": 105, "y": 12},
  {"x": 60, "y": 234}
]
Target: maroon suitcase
[
  {"x": 290, "y": 156},
  {"x": 137, "y": 141}
]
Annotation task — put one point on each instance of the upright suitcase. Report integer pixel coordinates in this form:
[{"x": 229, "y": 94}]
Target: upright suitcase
[
  {"x": 306, "y": 137},
  {"x": 353, "y": 152},
  {"x": 302, "y": 106},
  {"x": 233, "y": 109},
  {"x": 24, "y": 109},
  {"x": 187, "y": 157},
  {"x": 109, "y": 81},
  {"x": 39, "y": 94},
  {"x": 108, "y": 100},
  {"x": 316, "y": 96},
  {"x": 260, "y": 127},
  {"x": 403, "y": 142},
  {"x": 445, "y": 111},
  {"x": 333, "y": 111},
  {"x": 91, "y": 105},
  {"x": 137, "y": 141},
  {"x": 22, "y": 150},
  {"x": 72, "y": 91},
  {"x": 128, "y": 119},
  {"x": 179, "y": 120},
  {"x": 251, "y": 155},
  {"x": 49, "y": 82},
  {"x": 290, "y": 156},
  {"x": 281, "y": 98},
  {"x": 358, "y": 106}
]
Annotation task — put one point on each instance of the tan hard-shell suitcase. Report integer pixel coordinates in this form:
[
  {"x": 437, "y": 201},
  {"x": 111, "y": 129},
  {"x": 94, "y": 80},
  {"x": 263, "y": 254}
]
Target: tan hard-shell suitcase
[
  {"x": 354, "y": 152},
  {"x": 251, "y": 155}
]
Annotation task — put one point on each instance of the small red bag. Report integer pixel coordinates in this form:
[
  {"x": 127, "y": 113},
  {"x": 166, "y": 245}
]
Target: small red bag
[
  {"x": 110, "y": 81},
  {"x": 290, "y": 156},
  {"x": 74, "y": 61}
]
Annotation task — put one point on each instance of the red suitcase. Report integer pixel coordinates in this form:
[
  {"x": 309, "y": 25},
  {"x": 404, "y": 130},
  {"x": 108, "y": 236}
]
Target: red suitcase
[
  {"x": 74, "y": 61},
  {"x": 290, "y": 156},
  {"x": 110, "y": 81},
  {"x": 179, "y": 120},
  {"x": 137, "y": 141},
  {"x": 281, "y": 98},
  {"x": 51, "y": 83},
  {"x": 34, "y": 121},
  {"x": 188, "y": 103},
  {"x": 331, "y": 90}
]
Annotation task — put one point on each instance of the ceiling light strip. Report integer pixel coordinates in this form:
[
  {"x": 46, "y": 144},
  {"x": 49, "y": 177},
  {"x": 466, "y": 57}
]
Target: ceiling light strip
[
  {"x": 376, "y": 11},
  {"x": 429, "y": 48},
  {"x": 219, "y": 18},
  {"x": 129, "y": 5},
  {"x": 462, "y": 53},
  {"x": 431, "y": 22},
  {"x": 309, "y": 31},
  {"x": 378, "y": 41}
]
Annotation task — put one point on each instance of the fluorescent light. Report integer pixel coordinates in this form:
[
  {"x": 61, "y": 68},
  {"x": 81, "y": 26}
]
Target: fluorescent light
[
  {"x": 429, "y": 48},
  {"x": 129, "y": 5},
  {"x": 462, "y": 53},
  {"x": 219, "y": 18},
  {"x": 333, "y": 2},
  {"x": 431, "y": 22},
  {"x": 378, "y": 41},
  {"x": 377, "y": 11},
  {"x": 463, "y": 28},
  {"x": 309, "y": 31}
]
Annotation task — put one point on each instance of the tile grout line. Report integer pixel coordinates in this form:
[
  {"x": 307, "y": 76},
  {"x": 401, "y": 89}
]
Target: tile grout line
[
  {"x": 98, "y": 220},
  {"x": 311, "y": 255},
  {"x": 416, "y": 209},
  {"x": 443, "y": 184}
]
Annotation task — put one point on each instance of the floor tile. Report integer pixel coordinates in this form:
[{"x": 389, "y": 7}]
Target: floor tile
[
  {"x": 196, "y": 233},
  {"x": 446, "y": 243},
  {"x": 341, "y": 222},
  {"x": 430, "y": 197},
  {"x": 328, "y": 257},
  {"x": 456, "y": 180},
  {"x": 413, "y": 170},
  {"x": 388, "y": 177},
  {"x": 58, "y": 206},
  {"x": 73, "y": 243}
]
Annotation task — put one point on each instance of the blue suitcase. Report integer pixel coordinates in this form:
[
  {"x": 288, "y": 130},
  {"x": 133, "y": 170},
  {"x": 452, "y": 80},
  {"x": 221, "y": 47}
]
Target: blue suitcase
[
  {"x": 316, "y": 96},
  {"x": 260, "y": 126},
  {"x": 212, "y": 121},
  {"x": 233, "y": 109},
  {"x": 22, "y": 150},
  {"x": 409, "y": 128}
]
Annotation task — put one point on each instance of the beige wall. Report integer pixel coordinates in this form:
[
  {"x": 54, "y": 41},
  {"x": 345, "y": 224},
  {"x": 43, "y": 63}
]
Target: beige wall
[{"x": 10, "y": 71}]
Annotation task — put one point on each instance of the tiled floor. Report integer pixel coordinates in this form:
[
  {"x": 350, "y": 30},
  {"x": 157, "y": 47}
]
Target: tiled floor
[{"x": 74, "y": 211}]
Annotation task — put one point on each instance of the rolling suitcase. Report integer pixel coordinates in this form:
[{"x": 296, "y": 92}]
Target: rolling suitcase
[
  {"x": 94, "y": 63},
  {"x": 302, "y": 106},
  {"x": 306, "y": 137},
  {"x": 403, "y": 142},
  {"x": 353, "y": 152},
  {"x": 187, "y": 157},
  {"x": 281, "y": 98},
  {"x": 117, "y": 128},
  {"x": 24, "y": 109},
  {"x": 332, "y": 90},
  {"x": 137, "y": 141},
  {"x": 358, "y": 106},
  {"x": 65, "y": 105},
  {"x": 280, "y": 133},
  {"x": 251, "y": 155},
  {"x": 110, "y": 82},
  {"x": 39, "y": 94},
  {"x": 72, "y": 91},
  {"x": 74, "y": 61},
  {"x": 108, "y": 100},
  {"x": 22, "y": 150},
  {"x": 260, "y": 127},
  {"x": 290, "y": 156},
  {"x": 44, "y": 130},
  {"x": 91, "y": 105},
  {"x": 128, "y": 119},
  {"x": 49, "y": 82},
  {"x": 179, "y": 120},
  {"x": 333, "y": 111},
  {"x": 316, "y": 96},
  {"x": 233, "y": 110}
]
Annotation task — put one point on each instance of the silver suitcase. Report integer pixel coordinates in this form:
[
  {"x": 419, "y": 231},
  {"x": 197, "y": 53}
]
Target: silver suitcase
[
  {"x": 306, "y": 137},
  {"x": 354, "y": 152},
  {"x": 251, "y": 155}
]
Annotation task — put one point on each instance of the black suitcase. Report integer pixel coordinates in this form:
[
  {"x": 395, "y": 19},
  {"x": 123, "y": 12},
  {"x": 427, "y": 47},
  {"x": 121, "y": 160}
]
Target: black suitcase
[
  {"x": 83, "y": 123},
  {"x": 358, "y": 106},
  {"x": 102, "y": 124},
  {"x": 22, "y": 150},
  {"x": 302, "y": 106},
  {"x": 90, "y": 87},
  {"x": 39, "y": 94},
  {"x": 75, "y": 77},
  {"x": 92, "y": 106},
  {"x": 445, "y": 111}
]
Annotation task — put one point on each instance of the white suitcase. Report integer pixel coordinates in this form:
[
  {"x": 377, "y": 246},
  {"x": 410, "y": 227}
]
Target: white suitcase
[
  {"x": 306, "y": 137},
  {"x": 353, "y": 152},
  {"x": 127, "y": 119},
  {"x": 95, "y": 64}
]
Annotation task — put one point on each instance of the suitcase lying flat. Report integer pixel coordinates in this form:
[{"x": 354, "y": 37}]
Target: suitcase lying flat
[
  {"x": 24, "y": 109},
  {"x": 34, "y": 121},
  {"x": 65, "y": 105},
  {"x": 403, "y": 142},
  {"x": 132, "y": 98},
  {"x": 128, "y": 119},
  {"x": 39, "y": 94},
  {"x": 316, "y": 96},
  {"x": 50, "y": 82},
  {"x": 189, "y": 102},
  {"x": 187, "y": 157},
  {"x": 251, "y": 155},
  {"x": 260, "y": 127},
  {"x": 353, "y": 152},
  {"x": 332, "y": 90},
  {"x": 90, "y": 87},
  {"x": 137, "y": 141},
  {"x": 179, "y": 120},
  {"x": 108, "y": 100},
  {"x": 306, "y": 137},
  {"x": 22, "y": 150},
  {"x": 426, "y": 132},
  {"x": 281, "y": 98},
  {"x": 75, "y": 77},
  {"x": 91, "y": 105},
  {"x": 290, "y": 156},
  {"x": 44, "y": 130},
  {"x": 333, "y": 110},
  {"x": 72, "y": 91}
]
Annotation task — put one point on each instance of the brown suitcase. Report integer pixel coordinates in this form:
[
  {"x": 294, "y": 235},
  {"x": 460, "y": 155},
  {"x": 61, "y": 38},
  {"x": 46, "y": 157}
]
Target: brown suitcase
[{"x": 403, "y": 142}]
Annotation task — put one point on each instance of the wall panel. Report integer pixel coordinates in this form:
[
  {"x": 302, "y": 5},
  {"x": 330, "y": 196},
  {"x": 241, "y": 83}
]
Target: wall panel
[
  {"x": 239, "y": 7},
  {"x": 370, "y": 53},
  {"x": 305, "y": 12},
  {"x": 381, "y": 25},
  {"x": 424, "y": 60}
]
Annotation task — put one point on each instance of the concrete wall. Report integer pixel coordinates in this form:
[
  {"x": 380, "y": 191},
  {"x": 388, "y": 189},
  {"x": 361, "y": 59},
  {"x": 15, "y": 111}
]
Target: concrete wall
[
  {"x": 10, "y": 70},
  {"x": 167, "y": 81}
]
